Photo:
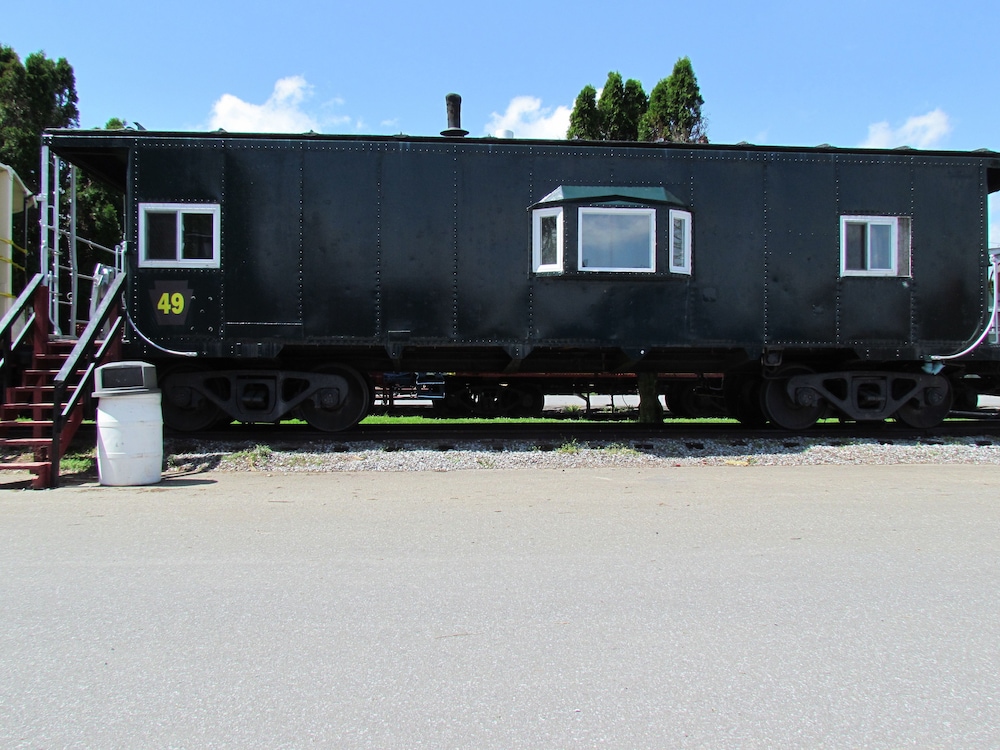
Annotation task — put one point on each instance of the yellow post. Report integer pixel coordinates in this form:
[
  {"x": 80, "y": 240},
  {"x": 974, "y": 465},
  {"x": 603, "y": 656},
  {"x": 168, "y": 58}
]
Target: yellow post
[{"x": 14, "y": 197}]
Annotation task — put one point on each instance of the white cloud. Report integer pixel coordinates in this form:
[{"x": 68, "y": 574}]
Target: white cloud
[
  {"x": 281, "y": 113},
  {"x": 921, "y": 131},
  {"x": 527, "y": 118}
]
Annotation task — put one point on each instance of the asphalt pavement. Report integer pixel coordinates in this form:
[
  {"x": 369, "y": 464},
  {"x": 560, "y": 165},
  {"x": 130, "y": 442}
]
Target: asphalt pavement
[{"x": 731, "y": 607}]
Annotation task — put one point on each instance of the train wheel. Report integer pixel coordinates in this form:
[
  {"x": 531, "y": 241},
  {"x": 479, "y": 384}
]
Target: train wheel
[
  {"x": 929, "y": 408},
  {"x": 333, "y": 408},
  {"x": 796, "y": 412},
  {"x": 184, "y": 408}
]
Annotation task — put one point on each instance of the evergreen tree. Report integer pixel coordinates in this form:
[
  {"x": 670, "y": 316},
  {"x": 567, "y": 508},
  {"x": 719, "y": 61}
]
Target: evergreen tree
[
  {"x": 611, "y": 105},
  {"x": 585, "y": 119},
  {"x": 636, "y": 103},
  {"x": 674, "y": 112},
  {"x": 613, "y": 117}
]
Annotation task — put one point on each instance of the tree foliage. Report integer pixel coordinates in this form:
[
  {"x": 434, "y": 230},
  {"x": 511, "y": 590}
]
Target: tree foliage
[
  {"x": 614, "y": 116},
  {"x": 674, "y": 112},
  {"x": 98, "y": 213},
  {"x": 585, "y": 119},
  {"x": 35, "y": 95}
]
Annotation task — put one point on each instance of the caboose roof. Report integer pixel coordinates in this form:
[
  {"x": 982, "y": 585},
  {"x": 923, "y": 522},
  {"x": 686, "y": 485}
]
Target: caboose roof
[{"x": 104, "y": 153}]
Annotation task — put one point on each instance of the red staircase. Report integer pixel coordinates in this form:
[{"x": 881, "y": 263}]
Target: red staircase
[
  {"x": 47, "y": 382},
  {"x": 27, "y": 422}
]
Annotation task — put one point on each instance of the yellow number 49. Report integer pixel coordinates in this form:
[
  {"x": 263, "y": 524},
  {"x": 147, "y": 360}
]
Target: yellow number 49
[{"x": 171, "y": 304}]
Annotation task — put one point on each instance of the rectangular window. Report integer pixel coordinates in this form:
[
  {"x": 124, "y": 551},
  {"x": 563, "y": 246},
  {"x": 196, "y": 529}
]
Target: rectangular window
[
  {"x": 680, "y": 242},
  {"x": 617, "y": 239},
  {"x": 179, "y": 235},
  {"x": 547, "y": 239},
  {"x": 874, "y": 246}
]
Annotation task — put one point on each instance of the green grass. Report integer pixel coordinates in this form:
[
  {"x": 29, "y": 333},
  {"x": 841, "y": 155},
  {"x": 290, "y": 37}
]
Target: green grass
[
  {"x": 389, "y": 419},
  {"x": 255, "y": 457},
  {"x": 570, "y": 448},
  {"x": 77, "y": 462},
  {"x": 573, "y": 418}
]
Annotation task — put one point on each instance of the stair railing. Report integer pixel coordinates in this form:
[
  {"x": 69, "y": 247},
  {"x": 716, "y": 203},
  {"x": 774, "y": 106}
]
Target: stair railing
[
  {"x": 9, "y": 341},
  {"x": 86, "y": 356}
]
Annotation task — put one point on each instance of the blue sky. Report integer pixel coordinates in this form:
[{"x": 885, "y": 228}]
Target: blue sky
[
  {"x": 846, "y": 73},
  {"x": 794, "y": 73}
]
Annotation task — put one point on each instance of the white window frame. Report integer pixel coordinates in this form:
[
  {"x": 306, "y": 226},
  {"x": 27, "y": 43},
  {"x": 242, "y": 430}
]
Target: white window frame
[
  {"x": 536, "y": 239},
  {"x": 178, "y": 209},
  {"x": 649, "y": 212},
  {"x": 899, "y": 245},
  {"x": 684, "y": 267}
]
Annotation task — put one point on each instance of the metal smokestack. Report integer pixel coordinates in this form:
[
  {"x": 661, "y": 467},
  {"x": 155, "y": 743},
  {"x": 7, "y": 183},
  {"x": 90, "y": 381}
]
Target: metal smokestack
[{"x": 454, "y": 102}]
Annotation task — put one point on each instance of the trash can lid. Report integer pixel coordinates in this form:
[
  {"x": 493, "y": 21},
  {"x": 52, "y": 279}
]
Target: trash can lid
[{"x": 125, "y": 376}]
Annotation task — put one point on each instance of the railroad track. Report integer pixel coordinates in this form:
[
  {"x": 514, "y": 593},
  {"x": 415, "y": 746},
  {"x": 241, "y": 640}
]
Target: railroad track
[{"x": 449, "y": 435}]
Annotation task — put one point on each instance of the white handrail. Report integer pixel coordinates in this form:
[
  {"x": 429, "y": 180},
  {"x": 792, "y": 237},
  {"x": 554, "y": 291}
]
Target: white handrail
[{"x": 932, "y": 365}]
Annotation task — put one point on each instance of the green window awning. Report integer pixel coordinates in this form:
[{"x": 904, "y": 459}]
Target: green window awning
[{"x": 609, "y": 194}]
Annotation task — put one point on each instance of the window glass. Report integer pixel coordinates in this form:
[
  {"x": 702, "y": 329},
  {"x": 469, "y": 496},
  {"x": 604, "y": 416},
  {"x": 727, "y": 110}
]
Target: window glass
[
  {"x": 161, "y": 236},
  {"x": 197, "y": 235},
  {"x": 547, "y": 239},
  {"x": 677, "y": 243},
  {"x": 616, "y": 239},
  {"x": 680, "y": 242},
  {"x": 549, "y": 250},
  {"x": 879, "y": 248},
  {"x": 856, "y": 242}
]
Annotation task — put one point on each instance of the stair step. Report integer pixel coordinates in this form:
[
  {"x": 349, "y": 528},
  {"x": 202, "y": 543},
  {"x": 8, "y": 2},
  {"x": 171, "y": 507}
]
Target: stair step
[
  {"x": 25, "y": 423},
  {"x": 49, "y": 374},
  {"x": 26, "y": 442},
  {"x": 24, "y": 465},
  {"x": 39, "y": 373},
  {"x": 35, "y": 411},
  {"x": 10, "y": 411}
]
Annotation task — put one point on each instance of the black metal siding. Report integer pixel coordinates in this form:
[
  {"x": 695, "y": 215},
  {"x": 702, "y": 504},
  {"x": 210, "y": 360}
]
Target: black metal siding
[
  {"x": 949, "y": 241},
  {"x": 355, "y": 241},
  {"x": 492, "y": 273},
  {"x": 417, "y": 224},
  {"x": 341, "y": 242},
  {"x": 803, "y": 256},
  {"x": 727, "y": 286},
  {"x": 262, "y": 216}
]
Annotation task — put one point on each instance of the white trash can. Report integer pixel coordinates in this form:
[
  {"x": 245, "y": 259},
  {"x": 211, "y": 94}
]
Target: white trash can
[{"x": 129, "y": 425}]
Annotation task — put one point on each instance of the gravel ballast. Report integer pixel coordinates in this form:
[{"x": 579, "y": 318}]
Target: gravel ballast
[{"x": 188, "y": 455}]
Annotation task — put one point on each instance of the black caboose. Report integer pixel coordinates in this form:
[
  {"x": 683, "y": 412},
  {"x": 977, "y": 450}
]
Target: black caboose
[{"x": 271, "y": 274}]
